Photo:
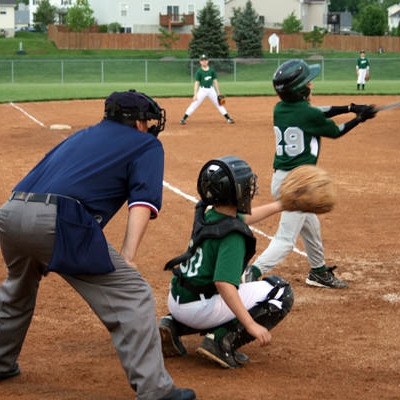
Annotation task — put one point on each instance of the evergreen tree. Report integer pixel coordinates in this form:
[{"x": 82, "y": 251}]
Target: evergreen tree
[
  {"x": 247, "y": 31},
  {"x": 209, "y": 37},
  {"x": 44, "y": 15},
  {"x": 291, "y": 24},
  {"x": 80, "y": 16}
]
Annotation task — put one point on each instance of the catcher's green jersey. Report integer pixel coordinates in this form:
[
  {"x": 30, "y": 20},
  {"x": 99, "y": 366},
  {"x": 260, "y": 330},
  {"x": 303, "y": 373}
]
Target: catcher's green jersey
[
  {"x": 298, "y": 127},
  {"x": 206, "y": 77},
  {"x": 214, "y": 260}
]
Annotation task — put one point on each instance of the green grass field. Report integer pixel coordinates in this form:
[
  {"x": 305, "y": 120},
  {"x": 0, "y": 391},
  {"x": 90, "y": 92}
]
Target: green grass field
[{"x": 47, "y": 73}]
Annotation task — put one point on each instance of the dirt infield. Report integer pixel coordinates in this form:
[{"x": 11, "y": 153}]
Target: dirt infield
[{"x": 333, "y": 345}]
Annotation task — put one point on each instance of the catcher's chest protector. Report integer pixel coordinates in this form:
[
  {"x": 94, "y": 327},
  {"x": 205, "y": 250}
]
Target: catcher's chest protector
[{"x": 212, "y": 230}]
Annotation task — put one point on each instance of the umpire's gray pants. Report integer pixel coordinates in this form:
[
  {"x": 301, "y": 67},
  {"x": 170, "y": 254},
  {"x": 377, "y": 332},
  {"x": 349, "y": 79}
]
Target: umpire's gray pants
[
  {"x": 122, "y": 299},
  {"x": 291, "y": 225}
]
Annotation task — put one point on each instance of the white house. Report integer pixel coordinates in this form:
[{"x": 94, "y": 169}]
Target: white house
[
  {"x": 146, "y": 16},
  {"x": 7, "y": 18},
  {"x": 311, "y": 13},
  {"x": 393, "y": 16},
  {"x": 139, "y": 16}
]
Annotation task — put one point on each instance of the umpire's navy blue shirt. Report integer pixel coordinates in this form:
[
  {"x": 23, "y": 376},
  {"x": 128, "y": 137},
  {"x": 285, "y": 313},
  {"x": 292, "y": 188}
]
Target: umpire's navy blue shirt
[{"x": 102, "y": 166}]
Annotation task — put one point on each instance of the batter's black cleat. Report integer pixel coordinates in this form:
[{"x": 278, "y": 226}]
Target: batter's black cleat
[
  {"x": 326, "y": 279},
  {"x": 171, "y": 342},
  {"x": 10, "y": 374},
  {"x": 181, "y": 394},
  {"x": 223, "y": 355},
  {"x": 230, "y": 121},
  {"x": 183, "y": 121}
]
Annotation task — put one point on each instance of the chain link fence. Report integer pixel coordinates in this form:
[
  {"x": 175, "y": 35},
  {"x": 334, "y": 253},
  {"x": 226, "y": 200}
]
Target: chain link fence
[{"x": 176, "y": 70}]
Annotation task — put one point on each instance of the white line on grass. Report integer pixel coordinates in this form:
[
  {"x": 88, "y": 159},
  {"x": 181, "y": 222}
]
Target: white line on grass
[{"x": 195, "y": 200}]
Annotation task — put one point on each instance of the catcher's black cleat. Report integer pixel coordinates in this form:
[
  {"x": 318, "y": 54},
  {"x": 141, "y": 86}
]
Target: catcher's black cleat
[
  {"x": 171, "y": 343},
  {"x": 326, "y": 279},
  {"x": 181, "y": 394},
  {"x": 223, "y": 355},
  {"x": 10, "y": 374}
]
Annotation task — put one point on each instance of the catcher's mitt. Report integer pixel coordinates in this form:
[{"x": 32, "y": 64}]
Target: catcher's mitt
[
  {"x": 221, "y": 100},
  {"x": 309, "y": 189}
]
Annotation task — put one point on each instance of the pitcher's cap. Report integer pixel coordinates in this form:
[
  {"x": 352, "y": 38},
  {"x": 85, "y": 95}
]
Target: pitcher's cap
[{"x": 203, "y": 57}]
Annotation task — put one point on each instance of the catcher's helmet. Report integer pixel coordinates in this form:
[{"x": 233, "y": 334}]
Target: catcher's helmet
[
  {"x": 132, "y": 106},
  {"x": 291, "y": 78},
  {"x": 227, "y": 181}
]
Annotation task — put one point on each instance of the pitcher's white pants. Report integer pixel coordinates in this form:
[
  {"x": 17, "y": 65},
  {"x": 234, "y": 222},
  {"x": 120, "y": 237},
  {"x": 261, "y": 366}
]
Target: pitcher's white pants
[{"x": 202, "y": 93}]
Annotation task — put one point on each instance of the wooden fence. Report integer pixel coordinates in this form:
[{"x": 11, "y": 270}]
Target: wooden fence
[{"x": 64, "y": 39}]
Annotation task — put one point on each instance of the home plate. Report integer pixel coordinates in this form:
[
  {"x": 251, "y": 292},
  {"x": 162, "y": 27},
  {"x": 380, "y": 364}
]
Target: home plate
[{"x": 60, "y": 126}]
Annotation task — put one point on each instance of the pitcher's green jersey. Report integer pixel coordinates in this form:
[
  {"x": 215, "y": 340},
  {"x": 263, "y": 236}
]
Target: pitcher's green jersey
[
  {"x": 362, "y": 63},
  {"x": 298, "y": 127},
  {"x": 214, "y": 260},
  {"x": 206, "y": 78}
]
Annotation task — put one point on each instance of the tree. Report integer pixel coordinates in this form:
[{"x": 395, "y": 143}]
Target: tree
[
  {"x": 209, "y": 37},
  {"x": 80, "y": 16},
  {"x": 291, "y": 24},
  {"x": 45, "y": 15},
  {"x": 372, "y": 21},
  {"x": 167, "y": 39},
  {"x": 315, "y": 37},
  {"x": 247, "y": 31}
]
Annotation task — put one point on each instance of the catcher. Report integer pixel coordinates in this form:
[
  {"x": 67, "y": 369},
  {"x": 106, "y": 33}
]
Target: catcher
[
  {"x": 206, "y": 295},
  {"x": 299, "y": 128},
  {"x": 206, "y": 85}
]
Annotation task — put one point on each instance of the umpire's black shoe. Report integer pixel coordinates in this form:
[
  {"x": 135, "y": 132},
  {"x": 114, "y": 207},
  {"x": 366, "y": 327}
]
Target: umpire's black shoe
[
  {"x": 181, "y": 394},
  {"x": 10, "y": 374},
  {"x": 171, "y": 343}
]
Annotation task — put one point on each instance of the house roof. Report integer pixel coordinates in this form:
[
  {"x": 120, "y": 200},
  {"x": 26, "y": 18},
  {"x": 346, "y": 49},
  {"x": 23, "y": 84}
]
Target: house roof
[{"x": 8, "y": 2}]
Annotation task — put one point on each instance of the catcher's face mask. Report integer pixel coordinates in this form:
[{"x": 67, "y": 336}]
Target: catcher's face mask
[
  {"x": 132, "y": 106},
  {"x": 227, "y": 181}
]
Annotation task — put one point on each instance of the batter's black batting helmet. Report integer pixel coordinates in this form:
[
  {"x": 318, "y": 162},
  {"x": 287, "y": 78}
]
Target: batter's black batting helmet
[
  {"x": 132, "y": 106},
  {"x": 291, "y": 78},
  {"x": 227, "y": 181}
]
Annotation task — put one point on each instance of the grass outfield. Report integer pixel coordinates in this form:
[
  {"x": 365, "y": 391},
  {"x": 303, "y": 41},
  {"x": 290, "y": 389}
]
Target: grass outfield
[{"x": 44, "y": 92}]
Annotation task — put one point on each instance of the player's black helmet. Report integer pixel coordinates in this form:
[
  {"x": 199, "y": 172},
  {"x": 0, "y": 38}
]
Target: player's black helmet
[
  {"x": 291, "y": 78},
  {"x": 132, "y": 106},
  {"x": 227, "y": 181}
]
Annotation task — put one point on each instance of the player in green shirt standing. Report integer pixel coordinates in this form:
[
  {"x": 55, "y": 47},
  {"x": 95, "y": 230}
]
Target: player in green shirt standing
[
  {"x": 362, "y": 70},
  {"x": 298, "y": 128},
  {"x": 206, "y": 85}
]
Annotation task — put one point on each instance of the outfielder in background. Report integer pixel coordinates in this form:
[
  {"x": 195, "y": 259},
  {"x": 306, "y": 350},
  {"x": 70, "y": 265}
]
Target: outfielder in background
[
  {"x": 206, "y": 295},
  {"x": 298, "y": 129},
  {"x": 362, "y": 70},
  {"x": 54, "y": 220},
  {"x": 206, "y": 85}
]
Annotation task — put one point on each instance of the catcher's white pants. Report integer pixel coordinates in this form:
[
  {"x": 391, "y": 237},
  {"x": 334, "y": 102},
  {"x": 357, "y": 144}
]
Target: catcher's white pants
[
  {"x": 291, "y": 225},
  {"x": 202, "y": 93},
  {"x": 208, "y": 313},
  {"x": 362, "y": 72}
]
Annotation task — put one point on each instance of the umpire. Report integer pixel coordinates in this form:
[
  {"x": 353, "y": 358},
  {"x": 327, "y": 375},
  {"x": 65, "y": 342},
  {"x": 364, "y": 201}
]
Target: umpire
[{"x": 54, "y": 220}]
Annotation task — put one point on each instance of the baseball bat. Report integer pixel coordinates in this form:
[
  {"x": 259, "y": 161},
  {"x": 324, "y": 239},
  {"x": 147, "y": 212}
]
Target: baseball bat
[{"x": 388, "y": 106}]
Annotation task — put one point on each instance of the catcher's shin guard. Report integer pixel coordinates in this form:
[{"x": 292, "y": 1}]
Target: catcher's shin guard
[{"x": 268, "y": 313}]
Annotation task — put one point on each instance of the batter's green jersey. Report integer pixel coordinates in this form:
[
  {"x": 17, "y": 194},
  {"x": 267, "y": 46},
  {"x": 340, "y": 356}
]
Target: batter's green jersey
[
  {"x": 298, "y": 127},
  {"x": 206, "y": 77},
  {"x": 214, "y": 260}
]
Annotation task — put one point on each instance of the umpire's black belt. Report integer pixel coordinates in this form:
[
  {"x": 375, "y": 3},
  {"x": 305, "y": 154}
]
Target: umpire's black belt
[{"x": 47, "y": 198}]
